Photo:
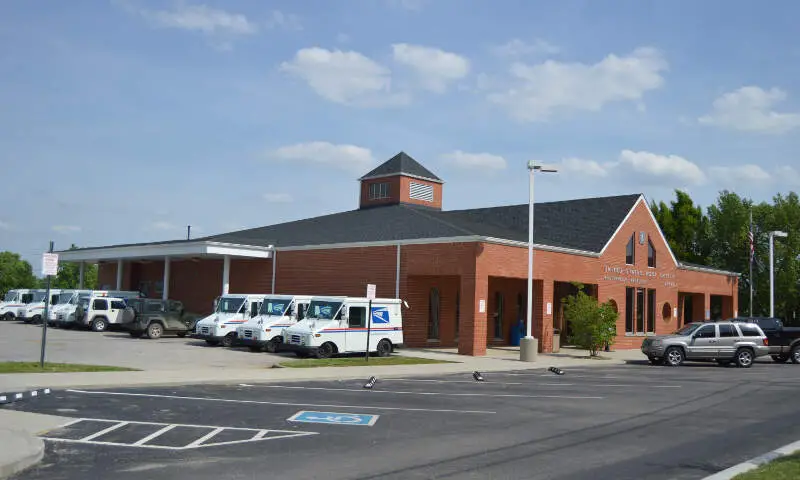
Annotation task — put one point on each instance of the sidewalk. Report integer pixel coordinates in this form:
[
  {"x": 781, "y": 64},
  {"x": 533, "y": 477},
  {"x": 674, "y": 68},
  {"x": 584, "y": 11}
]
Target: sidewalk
[
  {"x": 496, "y": 360},
  {"x": 22, "y": 447}
]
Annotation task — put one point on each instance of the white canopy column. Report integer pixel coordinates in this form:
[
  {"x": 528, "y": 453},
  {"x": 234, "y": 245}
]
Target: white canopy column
[
  {"x": 165, "y": 294},
  {"x": 119, "y": 274},
  {"x": 226, "y": 274}
]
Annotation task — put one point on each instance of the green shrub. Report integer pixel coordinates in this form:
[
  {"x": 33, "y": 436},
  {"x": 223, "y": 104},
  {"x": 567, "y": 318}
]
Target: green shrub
[{"x": 593, "y": 325}]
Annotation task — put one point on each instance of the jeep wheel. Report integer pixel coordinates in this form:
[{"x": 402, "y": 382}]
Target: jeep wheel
[
  {"x": 384, "y": 348},
  {"x": 744, "y": 358},
  {"x": 154, "y": 331},
  {"x": 780, "y": 358},
  {"x": 99, "y": 324},
  {"x": 795, "y": 354},
  {"x": 227, "y": 340},
  {"x": 673, "y": 357}
]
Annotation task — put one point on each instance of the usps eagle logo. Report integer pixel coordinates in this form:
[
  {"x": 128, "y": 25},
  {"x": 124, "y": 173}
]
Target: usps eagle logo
[{"x": 380, "y": 315}]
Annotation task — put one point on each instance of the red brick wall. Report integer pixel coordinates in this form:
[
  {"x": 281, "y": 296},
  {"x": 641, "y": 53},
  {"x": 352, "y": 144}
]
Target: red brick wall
[
  {"x": 416, "y": 319},
  {"x": 399, "y": 191}
]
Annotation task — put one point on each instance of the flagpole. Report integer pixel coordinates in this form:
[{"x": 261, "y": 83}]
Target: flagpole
[{"x": 752, "y": 256}]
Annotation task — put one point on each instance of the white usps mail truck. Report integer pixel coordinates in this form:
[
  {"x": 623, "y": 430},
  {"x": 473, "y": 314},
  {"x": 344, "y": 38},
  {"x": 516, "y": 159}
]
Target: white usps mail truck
[
  {"x": 264, "y": 332},
  {"x": 230, "y": 311},
  {"x": 336, "y": 325}
]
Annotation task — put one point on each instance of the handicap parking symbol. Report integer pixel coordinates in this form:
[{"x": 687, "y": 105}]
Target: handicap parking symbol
[{"x": 333, "y": 418}]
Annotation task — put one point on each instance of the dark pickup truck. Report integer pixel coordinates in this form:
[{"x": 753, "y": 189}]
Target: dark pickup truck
[
  {"x": 157, "y": 317},
  {"x": 784, "y": 342}
]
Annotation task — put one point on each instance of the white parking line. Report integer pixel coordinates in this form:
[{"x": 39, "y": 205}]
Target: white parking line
[
  {"x": 205, "y": 437},
  {"x": 154, "y": 435},
  {"x": 103, "y": 432},
  {"x": 445, "y": 394},
  {"x": 289, "y": 404}
]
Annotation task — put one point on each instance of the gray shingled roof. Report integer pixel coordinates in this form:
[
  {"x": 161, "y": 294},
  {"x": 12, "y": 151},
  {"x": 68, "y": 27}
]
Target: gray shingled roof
[
  {"x": 402, "y": 163},
  {"x": 585, "y": 224}
]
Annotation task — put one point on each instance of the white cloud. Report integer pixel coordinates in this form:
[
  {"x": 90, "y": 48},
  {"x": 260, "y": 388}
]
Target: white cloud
[
  {"x": 66, "y": 228},
  {"x": 434, "y": 68},
  {"x": 731, "y": 176},
  {"x": 581, "y": 166},
  {"x": 667, "y": 167},
  {"x": 350, "y": 158},
  {"x": 519, "y": 48},
  {"x": 345, "y": 77},
  {"x": 286, "y": 21},
  {"x": 412, "y": 5},
  {"x": 539, "y": 91},
  {"x": 788, "y": 175},
  {"x": 749, "y": 109},
  {"x": 202, "y": 18},
  {"x": 278, "y": 198},
  {"x": 481, "y": 161}
]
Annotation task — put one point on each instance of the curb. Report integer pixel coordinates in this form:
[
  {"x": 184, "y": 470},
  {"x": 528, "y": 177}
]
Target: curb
[
  {"x": 12, "y": 397},
  {"x": 34, "y": 447},
  {"x": 755, "y": 462}
]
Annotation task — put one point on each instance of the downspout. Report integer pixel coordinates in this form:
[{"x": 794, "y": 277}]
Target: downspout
[
  {"x": 397, "y": 275},
  {"x": 274, "y": 259}
]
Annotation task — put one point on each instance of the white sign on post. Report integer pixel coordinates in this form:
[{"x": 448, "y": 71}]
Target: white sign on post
[
  {"x": 549, "y": 308},
  {"x": 371, "y": 291},
  {"x": 482, "y": 306},
  {"x": 49, "y": 264}
]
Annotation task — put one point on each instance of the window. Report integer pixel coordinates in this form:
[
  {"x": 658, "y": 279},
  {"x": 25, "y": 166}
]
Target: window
[
  {"x": 302, "y": 308},
  {"x": 254, "y": 307},
  {"x": 356, "y": 317},
  {"x": 153, "y": 307},
  {"x": 458, "y": 312},
  {"x": 378, "y": 191},
  {"x": 651, "y": 311},
  {"x": 706, "y": 331},
  {"x": 26, "y": 298},
  {"x": 727, "y": 331},
  {"x": 118, "y": 305},
  {"x": 100, "y": 304},
  {"x": 420, "y": 191},
  {"x": 630, "y": 251},
  {"x": 433, "y": 314},
  {"x": 630, "y": 301},
  {"x": 53, "y": 299},
  {"x": 749, "y": 331},
  {"x": 651, "y": 254},
  {"x": 639, "y": 310},
  {"x": 499, "y": 314}
]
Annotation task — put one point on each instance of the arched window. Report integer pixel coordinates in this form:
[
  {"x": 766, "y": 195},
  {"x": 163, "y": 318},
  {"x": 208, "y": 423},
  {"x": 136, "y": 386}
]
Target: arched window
[
  {"x": 433, "y": 314},
  {"x": 630, "y": 252},
  {"x": 651, "y": 254}
]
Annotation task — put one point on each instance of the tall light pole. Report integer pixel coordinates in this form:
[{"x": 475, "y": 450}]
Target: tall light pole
[
  {"x": 772, "y": 235},
  {"x": 528, "y": 347}
]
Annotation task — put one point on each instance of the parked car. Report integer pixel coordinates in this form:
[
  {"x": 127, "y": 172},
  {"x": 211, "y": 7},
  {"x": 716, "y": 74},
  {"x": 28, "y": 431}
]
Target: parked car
[
  {"x": 101, "y": 313},
  {"x": 784, "y": 342},
  {"x": 154, "y": 318},
  {"x": 723, "y": 342}
]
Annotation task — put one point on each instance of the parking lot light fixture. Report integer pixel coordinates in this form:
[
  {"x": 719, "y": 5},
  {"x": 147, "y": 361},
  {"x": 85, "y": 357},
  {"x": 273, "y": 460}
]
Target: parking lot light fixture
[
  {"x": 772, "y": 235},
  {"x": 528, "y": 347}
]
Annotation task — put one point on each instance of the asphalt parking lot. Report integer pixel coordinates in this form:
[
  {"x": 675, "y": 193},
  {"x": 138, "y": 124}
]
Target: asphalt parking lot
[
  {"x": 21, "y": 342},
  {"x": 623, "y": 422}
]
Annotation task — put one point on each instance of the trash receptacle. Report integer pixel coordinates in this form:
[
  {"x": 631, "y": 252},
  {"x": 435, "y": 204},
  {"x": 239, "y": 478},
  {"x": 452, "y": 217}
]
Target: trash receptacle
[{"x": 516, "y": 334}]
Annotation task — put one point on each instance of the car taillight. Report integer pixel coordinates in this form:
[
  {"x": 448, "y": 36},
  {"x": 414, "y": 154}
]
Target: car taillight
[{"x": 766, "y": 342}]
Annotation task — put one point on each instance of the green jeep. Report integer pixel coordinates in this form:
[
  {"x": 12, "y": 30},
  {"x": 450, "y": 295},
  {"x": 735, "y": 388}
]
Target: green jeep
[{"x": 156, "y": 317}]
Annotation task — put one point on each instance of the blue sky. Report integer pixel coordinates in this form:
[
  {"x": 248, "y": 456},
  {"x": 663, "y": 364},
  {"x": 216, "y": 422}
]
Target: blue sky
[{"x": 125, "y": 120}]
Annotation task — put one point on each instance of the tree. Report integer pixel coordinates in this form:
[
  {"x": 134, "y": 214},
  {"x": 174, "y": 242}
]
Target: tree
[
  {"x": 15, "y": 272},
  {"x": 69, "y": 275},
  {"x": 593, "y": 325},
  {"x": 684, "y": 226}
]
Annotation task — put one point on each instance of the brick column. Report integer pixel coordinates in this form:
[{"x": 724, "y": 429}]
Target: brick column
[
  {"x": 472, "y": 329},
  {"x": 543, "y": 291},
  {"x": 707, "y": 307}
]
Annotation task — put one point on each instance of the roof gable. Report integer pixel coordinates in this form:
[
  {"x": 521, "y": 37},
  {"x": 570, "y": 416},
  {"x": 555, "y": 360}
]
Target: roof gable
[{"x": 402, "y": 164}]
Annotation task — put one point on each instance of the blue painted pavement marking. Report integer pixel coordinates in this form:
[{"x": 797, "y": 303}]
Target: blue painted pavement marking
[{"x": 333, "y": 418}]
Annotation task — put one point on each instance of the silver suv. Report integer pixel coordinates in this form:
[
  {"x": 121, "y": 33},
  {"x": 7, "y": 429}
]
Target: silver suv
[{"x": 724, "y": 342}]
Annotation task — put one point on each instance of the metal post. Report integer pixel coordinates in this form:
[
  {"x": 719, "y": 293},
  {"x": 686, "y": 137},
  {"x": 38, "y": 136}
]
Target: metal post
[
  {"x": 188, "y": 232},
  {"x": 528, "y": 348},
  {"x": 81, "y": 274},
  {"x": 165, "y": 290},
  {"x": 771, "y": 275},
  {"x": 119, "y": 274},
  {"x": 397, "y": 275},
  {"x": 274, "y": 260},
  {"x": 753, "y": 240},
  {"x": 46, "y": 314},
  {"x": 226, "y": 274},
  {"x": 369, "y": 327}
]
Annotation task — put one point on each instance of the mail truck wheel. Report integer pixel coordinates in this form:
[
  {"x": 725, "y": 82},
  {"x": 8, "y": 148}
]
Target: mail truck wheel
[
  {"x": 37, "y": 319},
  {"x": 326, "y": 350},
  {"x": 272, "y": 345},
  {"x": 673, "y": 357},
  {"x": 744, "y": 358},
  {"x": 8, "y": 317},
  {"x": 796, "y": 354},
  {"x": 154, "y": 331},
  {"x": 227, "y": 340},
  {"x": 99, "y": 324},
  {"x": 384, "y": 348}
]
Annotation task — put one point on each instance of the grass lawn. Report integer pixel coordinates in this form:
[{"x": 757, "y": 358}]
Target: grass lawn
[
  {"x": 783, "y": 468},
  {"x": 33, "y": 367},
  {"x": 357, "y": 361}
]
